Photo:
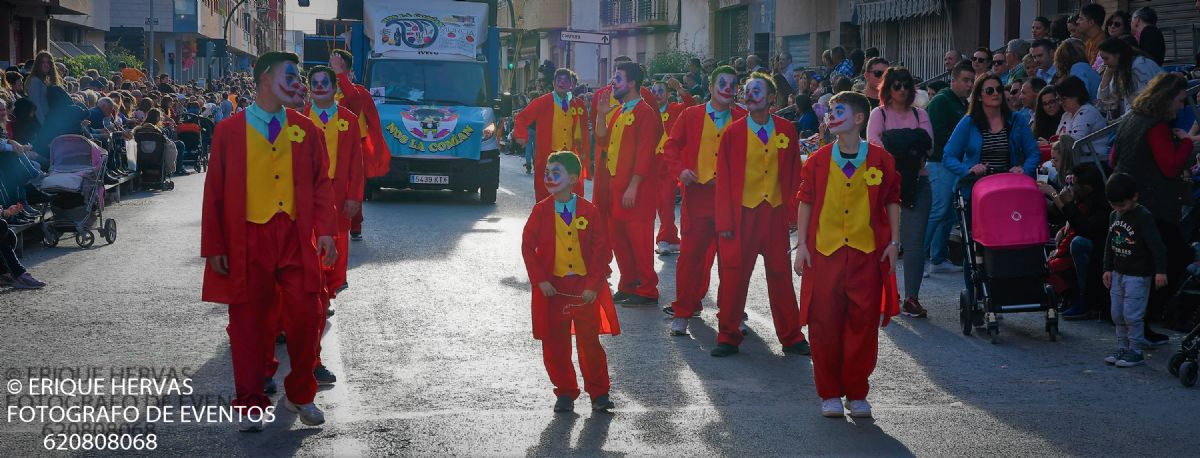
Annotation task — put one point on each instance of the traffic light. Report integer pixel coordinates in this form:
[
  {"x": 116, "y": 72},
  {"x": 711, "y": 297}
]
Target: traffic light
[{"x": 509, "y": 54}]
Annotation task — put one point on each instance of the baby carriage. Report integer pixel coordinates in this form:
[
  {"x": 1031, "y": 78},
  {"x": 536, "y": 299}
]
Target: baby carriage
[
  {"x": 152, "y": 162},
  {"x": 1004, "y": 238},
  {"x": 76, "y": 179},
  {"x": 195, "y": 132},
  {"x": 1184, "y": 363}
]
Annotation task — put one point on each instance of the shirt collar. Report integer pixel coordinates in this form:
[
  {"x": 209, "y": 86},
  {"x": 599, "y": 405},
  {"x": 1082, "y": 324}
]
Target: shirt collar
[
  {"x": 857, "y": 161},
  {"x": 329, "y": 112},
  {"x": 721, "y": 117},
  {"x": 568, "y": 205},
  {"x": 754, "y": 126},
  {"x": 559, "y": 100},
  {"x": 630, "y": 104},
  {"x": 262, "y": 115}
]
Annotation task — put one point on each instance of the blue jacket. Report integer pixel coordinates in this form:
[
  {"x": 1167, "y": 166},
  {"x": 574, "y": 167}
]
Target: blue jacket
[{"x": 962, "y": 150}]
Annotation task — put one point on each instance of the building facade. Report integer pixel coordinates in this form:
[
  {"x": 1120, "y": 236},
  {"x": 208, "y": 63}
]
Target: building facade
[{"x": 25, "y": 26}]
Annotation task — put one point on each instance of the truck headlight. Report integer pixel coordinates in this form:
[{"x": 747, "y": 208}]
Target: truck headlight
[{"x": 489, "y": 131}]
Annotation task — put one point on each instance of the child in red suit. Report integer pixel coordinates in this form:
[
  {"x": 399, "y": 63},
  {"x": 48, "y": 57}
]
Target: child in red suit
[
  {"x": 567, "y": 254},
  {"x": 667, "y": 240},
  {"x": 849, "y": 213}
]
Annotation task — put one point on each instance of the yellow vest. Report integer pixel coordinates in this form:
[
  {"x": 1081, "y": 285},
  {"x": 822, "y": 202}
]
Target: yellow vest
[
  {"x": 331, "y": 137},
  {"x": 614, "y": 138},
  {"x": 762, "y": 173},
  {"x": 568, "y": 260},
  {"x": 563, "y": 135},
  {"x": 269, "y": 185},
  {"x": 706, "y": 159},
  {"x": 845, "y": 218}
]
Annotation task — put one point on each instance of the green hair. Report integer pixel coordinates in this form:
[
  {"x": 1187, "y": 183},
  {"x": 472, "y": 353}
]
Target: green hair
[
  {"x": 322, "y": 69},
  {"x": 568, "y": 160},
  {"x": 724, "y": 69}
]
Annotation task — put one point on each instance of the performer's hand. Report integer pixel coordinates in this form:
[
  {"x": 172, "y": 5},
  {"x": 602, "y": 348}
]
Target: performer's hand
[
  {"x": 351, "y": 208},
  {"x": 1160, "y": 280},
  {"x": 727, "y": 234},
  {"x": 602, "y": 111},
  {"x": 803, "y": 260},
  {"x": 1108, "y": 280},
  {"x": 547, "y": 289},
  {"x": 219, "y": 264},
  {"x": 588, "y": 296},
  {"x": 688, "y": 177},
  {"x": 630, "y": 197},
  {"x": 337, "y": 64},
  {"x": 890, "y": 253},
  {"x": 326, "y": 250}
]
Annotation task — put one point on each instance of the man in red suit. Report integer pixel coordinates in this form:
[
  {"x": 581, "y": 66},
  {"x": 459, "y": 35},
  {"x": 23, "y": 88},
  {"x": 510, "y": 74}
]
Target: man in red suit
[
  {"x": 691, "y": 154},
  {"x": 849, "y": 214},
  {"x": 356, "y": 98},
  {"x": 267, "y": 199},
  {"x": 562, "y": 125},
  {"x": 566, "y": 252},
  {"x": 668, "y": 234},
  {"x": 631, "y": 136},
  {"x": 604, "y": 96},
  {"x": 758, "y": 164}
]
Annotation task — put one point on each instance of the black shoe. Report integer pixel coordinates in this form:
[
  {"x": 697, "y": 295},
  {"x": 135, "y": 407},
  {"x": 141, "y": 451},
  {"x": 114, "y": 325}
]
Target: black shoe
[
  {"x": 109, "y": 179},
  {"x": 324, "y": 376},
  {"x": 602, "y": 403},
  {"x": 621, "y": 296},
  {"x": 724, "y": 350},
  {"x": 670, "y": 311},
  {"x": 343, "y": 287},
  {"x": 182, "y": 172},
  {"x": 635, "y": 300},
  {"x": 799, "y": 348},
  {"x": 18, "y": 220},
  {"x": 356, "y": 236},
  {"x": 269, "y": 386},
  {"x": 280, "y": 339},
  {"x": 328, "y": 313},
  {"x": 1156, "y": 339},
  {"x": 564, "y": 404}
]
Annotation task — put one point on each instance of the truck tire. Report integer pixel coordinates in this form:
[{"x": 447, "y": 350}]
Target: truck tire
[{"x": 487, "y": 195}]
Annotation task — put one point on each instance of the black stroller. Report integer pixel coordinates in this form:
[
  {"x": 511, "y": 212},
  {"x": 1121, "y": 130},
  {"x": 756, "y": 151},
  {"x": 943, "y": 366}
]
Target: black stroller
[
  {"x": 195, "y": 132},
  {"x": 1184, "y": 363},
  {"x": 1004, "y": 254},
  {"x": 151, "y": 161}
]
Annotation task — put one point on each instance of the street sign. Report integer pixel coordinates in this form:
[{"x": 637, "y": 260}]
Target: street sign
[{"x": 585, "y": 37}]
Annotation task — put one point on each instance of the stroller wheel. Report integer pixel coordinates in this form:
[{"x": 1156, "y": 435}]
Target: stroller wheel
[
  {"x": 110, "y": 231},
  {"x": 964, "y": 312},
  {"x": 1175, "y": 363},
  {"x": 993, "y": 332},
  {"x": 85, "y": 239},
  {"x": 1187, "y": 374},
  {"x": 1052, "y": 329},
  {"x": 168, "y": 186},
  {"x": 49, "y": 235}
]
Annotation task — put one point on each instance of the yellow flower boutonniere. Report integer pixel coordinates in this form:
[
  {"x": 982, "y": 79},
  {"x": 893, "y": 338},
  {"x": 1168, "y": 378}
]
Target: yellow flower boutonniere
[
  {"x": 343, "y": 125},
  {"x": 665, "y": 115},
  {"x": 629, "y": 119},
  {"x": 781, "y": 141},
  {"x": 873, "y": 176},
  {"x": 580, "y": 223},
  {"x": 295, "y": 134},
  {"x": 576, "y": 111}
]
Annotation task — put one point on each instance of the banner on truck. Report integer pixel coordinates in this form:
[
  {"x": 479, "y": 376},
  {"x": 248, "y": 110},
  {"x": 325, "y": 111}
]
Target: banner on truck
[
  {"x": 450, "y": 29},
  {"x": 432, "y": 130}
]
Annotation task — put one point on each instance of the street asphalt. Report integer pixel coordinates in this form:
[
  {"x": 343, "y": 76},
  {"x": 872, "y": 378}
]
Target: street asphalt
[{"x": 434, "y": 355}]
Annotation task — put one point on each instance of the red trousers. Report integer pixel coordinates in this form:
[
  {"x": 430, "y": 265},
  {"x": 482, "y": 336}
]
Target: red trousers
[
  {"x": 697, "y": 250},
  {"x": 356, "y": 222},
  {"x": 667, "y": 231},
  {"x": 335, "y": 276},
  {"x": 764, "y": 230},
  {"x": 556, "y": 344},
  {"x": 275, "y": 268},
  {"x": 633, "y": 246},
  {"x": 843, "y": 321}
]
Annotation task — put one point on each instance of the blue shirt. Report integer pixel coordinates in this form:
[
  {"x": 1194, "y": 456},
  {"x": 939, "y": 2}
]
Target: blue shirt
[
  {"x": 329, "y": 112},
  {"x": 720, "y": 118},
  {"x": 630, "y": 104},
  {"x": 260, "y": 120},
  {"x": 568, "y": 206},
  {"x": 754, "y": 126}
]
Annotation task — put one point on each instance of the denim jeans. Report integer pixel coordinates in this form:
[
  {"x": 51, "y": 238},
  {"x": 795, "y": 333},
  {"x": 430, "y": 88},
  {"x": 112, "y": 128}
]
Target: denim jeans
[
  {"x": 1129, "y": 297},
  {"x": 913, "y": 222},
  {"x": 529, "y": 147},
  {"x": 941, "y": 212},
  {"x": 1081, "y": 257},
  {"x": 8, "y": 257}
]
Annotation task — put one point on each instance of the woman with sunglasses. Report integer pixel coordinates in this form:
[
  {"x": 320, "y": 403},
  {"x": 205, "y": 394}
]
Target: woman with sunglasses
[
  {"x": 905, "y": 132},
  {"x": 1118, "y": 24}
]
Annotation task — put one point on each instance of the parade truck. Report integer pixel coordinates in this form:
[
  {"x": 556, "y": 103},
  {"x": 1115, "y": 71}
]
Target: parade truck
[{"x": 432, "y": 67}]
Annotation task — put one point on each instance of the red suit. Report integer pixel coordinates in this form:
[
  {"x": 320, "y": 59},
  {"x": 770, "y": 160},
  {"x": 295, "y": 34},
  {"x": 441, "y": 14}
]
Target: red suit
[
  {"x": 277, "y": 257},
  {"x": 667, "y": 183},
  {"x": 759, "y": 230},
  {"x": 631, "y": 230},
  {"x": 600, "y": 180},
  {"x": 844, "y": 296},
  {"x": 556, "y": 318},
  {"x": 697, "y": 216},
  {"x": 376, "y": 157},
  {"x": 540, "y": 112}
]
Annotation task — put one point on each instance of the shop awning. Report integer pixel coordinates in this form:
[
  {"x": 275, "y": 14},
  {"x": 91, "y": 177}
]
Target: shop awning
[{"x": 895, "y": 10}]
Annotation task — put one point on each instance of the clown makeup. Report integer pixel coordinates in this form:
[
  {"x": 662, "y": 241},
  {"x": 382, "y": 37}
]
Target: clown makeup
[
  {"x": 322, "y": 88},
  {"x": 841, "y": 118},
  {"x": 563, "y": 84},
  {"x": 620, "y": 85},
  {"x": 757, "y": 93},
  {"x": 725, "y": 88},
  {"x": 287, "y": 85},
  {"x": 660, "y": 93},
  {"x": 557, "y": 179}
]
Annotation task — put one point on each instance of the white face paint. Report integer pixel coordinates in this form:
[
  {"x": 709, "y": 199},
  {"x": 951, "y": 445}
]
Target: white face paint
[
  {"x": 841, "y": 118},
  {"x": 286, "y": 84},
  {"x": 321, "y": 88},
  {"x": 660, "y": 93},
  {"x": 564, "y": 83},
  {"x": 556, "y": 178},
  {"x": 620, "y": 85},
  {"x": 724, "y": 88},
  {"x": 757, "y": 95}
]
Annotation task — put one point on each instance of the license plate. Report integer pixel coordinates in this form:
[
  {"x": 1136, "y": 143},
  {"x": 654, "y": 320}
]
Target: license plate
[{"x": 429, "y": 179}]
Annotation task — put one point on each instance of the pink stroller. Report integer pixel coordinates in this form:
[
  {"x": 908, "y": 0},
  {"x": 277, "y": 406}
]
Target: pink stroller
[
  {"x": 1005, "y": 253},
  {"x": 76, "y": 180}
]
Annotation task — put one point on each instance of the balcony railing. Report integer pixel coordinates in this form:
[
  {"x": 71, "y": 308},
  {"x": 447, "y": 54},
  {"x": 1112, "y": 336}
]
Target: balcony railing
[{"x": 633, "y": 13}]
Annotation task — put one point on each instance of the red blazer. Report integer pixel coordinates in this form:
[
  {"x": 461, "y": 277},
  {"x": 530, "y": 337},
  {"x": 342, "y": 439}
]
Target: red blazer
[
  {"x": 605, "y": 91},
  {"x": 538, "y": 246},
  {"x": 814, "y": 178},
  {"x": 540, "y": 112},
  {"x": 376, "y": 157},
  {"x": 682, "y": 149},
  {"x": 223, "y": 221},
  {"x": 348, "y": 177},
  {"x": 636, "y": 157},
  {"x": 731, "y": 174}
]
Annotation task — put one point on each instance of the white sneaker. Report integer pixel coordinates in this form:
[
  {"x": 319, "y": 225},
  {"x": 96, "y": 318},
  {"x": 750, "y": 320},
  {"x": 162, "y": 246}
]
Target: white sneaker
[
  {"x": 832, "y": 408},
  {"x": 663, "y": 248},
  {"x": 925, "y": 271},
  {"x": 246, "y": 425},
  {"x": 309, "y": 413},
  {"x": 859, "y": 408},
  {"x": 679, "y": 326},
  {"x": 944, "y": 268},
  {"x": 674, "y": 247},
  {"x": 743, "y": 328}
]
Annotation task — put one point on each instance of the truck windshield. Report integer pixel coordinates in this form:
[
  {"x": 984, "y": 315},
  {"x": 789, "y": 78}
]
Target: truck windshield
[{"x": 428, "y": 81}]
